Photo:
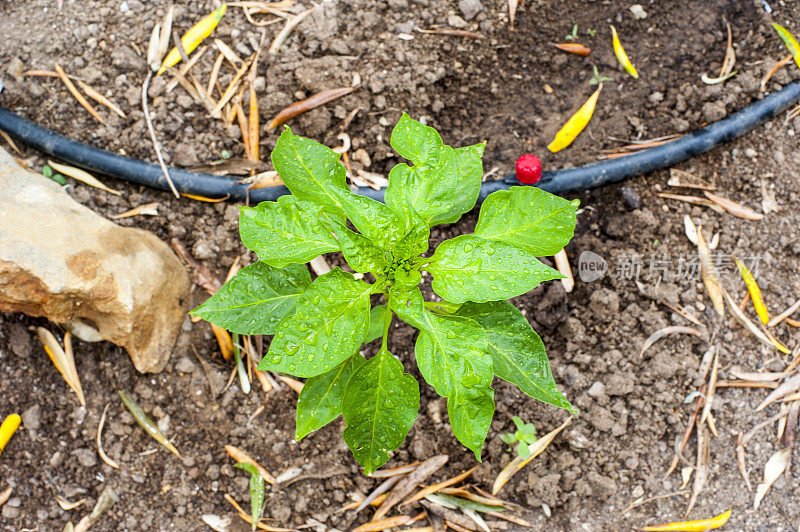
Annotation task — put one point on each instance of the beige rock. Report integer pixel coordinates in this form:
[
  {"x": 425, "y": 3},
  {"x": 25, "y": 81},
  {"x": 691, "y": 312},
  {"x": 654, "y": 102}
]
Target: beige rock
[{"x": 61, "y": 260}]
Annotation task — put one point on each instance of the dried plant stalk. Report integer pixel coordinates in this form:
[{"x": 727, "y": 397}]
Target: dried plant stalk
[
  {"x": 78, "y": 96},
  {"x": 308, "y": 104}
]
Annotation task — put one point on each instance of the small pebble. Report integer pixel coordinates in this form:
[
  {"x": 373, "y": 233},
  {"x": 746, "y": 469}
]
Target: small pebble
[
  {"x": 597, "y": 389},
  {"x": 638, "y": 12},
  {"x": 86, "y": 457},
  {"x": 163, "y": 424},
  {"x": 124, "y": 7},
  {"x": 470, "y": 8},
  {"x": 31, "y": 418},
  {"x": 454, "y": 21},
  {"x": 260, "y": 84},
  {"x": 404, "y": 27},
  {"x": 185, "y": 365},
  {"x": 9, "y": 512},
  {"x": 631, "y": 197}
]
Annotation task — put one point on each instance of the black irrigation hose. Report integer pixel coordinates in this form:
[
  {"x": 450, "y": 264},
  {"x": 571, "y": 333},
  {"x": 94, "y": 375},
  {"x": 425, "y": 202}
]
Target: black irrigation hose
[{"x": 591, "y": 175}]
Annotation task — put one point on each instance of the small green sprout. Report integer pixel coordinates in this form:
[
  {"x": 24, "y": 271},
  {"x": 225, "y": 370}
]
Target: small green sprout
[
  {"x": 523, "y": 436},
  {"x": 48, "y": 172},
  {"x": 592, "y": 32},
  {"x": 574, "y": 34},
  {"x": 597, "y": 78},
  {"x": 256, "y": 492}
]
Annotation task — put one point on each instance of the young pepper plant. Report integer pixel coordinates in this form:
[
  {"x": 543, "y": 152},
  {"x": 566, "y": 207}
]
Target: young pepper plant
[{"x": 318, "y": 326}]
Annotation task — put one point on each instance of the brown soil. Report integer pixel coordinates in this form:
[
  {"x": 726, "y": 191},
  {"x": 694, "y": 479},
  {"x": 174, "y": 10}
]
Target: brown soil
[{"x": 633, "y": 407}]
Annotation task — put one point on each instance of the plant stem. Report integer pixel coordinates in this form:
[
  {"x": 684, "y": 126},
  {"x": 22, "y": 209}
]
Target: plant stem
[
  {"x": 244, "y": 382},
  {"x": 387, "y": 320}
]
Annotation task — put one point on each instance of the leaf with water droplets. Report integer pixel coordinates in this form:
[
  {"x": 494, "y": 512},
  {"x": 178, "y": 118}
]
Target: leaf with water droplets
[
  {"x": 470, "y": 410},
  {"x": 285, "y": 231},
  {"x": 450, "y": 350},
  {"x": 441, "y": 190},
  {"x": 376, "y": 316},
  {"x": 469, "y": 268},
  {"x": 330, "y": 320},
  {"x": 376, "y": 222},
  {"x": 415, "y": 141},
  {"x": 320, "y": 400},
  {"x": 380, "y": 405},
  {"x": 518, "y": 354},
  {"x": 311, "y": 170},
  {"x": 452, "y": 355},
  {"x": 415, "y": 242},
  {"x": 359, "y": 252},
  {"x": 528, "y": 218},
  {"x": 256, "y": 299}
]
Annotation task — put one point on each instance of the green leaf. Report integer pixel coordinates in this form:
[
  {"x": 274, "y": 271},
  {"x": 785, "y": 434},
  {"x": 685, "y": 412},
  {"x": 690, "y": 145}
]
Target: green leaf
[
  {"x": 256, "y": 299},
  {"x": 320, "y": 400},
  {"x": 518, "y": 422},
  {"x": 310, "y": 170},
  {"x": 409, "y": 277},
  {"x": 518, "y": 354},
  {"x": 375, "y": 323},
  {"x": 441, "y": 191},
  {"x": 379, "y": 406},
  {"x": 528, "y": 218},
  {"x": 359, "y": 252},
  {"x": 256, "y": 491},
  {"x": 468, "y": 268},
  {"x": 416, "y": 142},
  {"x": 443, "y": 184},
  {"x": 470, "y": 409},
  {"x": 285, "y": 231},
  {"x": 329, "y": 322},
  {"x": 526, "y": 431},
  {"x": 522, "y": 450},
  {"x": 509, "y": 438},
  {"x": 450, "y": 350},
  {"x": 415, "y": 241},
  {"x": 451, "y": 354},
  {"x": 377, "y": 222}
]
